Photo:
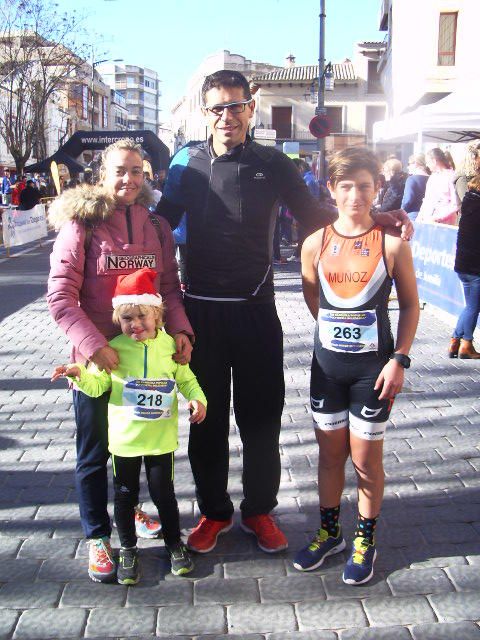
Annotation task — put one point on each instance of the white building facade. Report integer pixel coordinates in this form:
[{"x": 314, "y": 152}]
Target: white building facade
[
  {"x": 140, "y": 87},
  {"x": 187, "y": 122}
]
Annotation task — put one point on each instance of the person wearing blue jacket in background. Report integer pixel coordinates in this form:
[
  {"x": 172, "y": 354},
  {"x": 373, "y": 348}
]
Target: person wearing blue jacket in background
[
  {"x": 415, "y": 185},
  {"x": 180, "y": 237}
]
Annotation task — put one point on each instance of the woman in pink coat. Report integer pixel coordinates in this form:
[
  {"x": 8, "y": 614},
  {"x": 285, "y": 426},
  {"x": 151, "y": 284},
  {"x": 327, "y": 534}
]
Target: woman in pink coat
[
  {"x": 103, "y": 232},
  {"x": 440, "y": 203}
]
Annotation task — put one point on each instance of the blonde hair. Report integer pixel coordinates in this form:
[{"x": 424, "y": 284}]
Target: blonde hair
[
  {"x": 143, "y": 308},
  {"x": 472, "y": 153},
  {"x": 418, "y": 159},
  {"x": 393, "y": 165},
  {"x": 475, "y": 182},
  {"x": 127, "y": 144}
]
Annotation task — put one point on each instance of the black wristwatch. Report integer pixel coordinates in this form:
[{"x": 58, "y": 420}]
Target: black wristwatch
[{"x": 402, "y": 359}]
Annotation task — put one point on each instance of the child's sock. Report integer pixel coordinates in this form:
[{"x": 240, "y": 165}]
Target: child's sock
[
  {"x": 329, "y": 519},
  {"x": 366, "y": 528}
]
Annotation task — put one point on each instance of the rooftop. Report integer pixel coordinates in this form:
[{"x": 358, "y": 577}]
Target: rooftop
[{"x": 342, "y": 71}]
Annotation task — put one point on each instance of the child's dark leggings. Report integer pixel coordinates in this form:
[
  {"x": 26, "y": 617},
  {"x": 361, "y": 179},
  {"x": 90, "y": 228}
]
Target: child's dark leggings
[{"x": 126, "y": 482}]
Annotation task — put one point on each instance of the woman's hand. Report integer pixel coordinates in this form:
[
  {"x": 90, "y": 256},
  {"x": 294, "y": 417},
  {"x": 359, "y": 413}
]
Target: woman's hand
[
  {"x": 183, "y": 353},
  {"x": 106, "y": 359},
  {"x": 199, "y": 411},
  {"x": 390, "y": 380},
  {"x": 65, "y": 370}
]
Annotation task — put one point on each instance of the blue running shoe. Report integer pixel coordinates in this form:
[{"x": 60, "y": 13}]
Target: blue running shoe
[
  {"x": 359, "y": 567},
  {"x": 322, "y": 546}
]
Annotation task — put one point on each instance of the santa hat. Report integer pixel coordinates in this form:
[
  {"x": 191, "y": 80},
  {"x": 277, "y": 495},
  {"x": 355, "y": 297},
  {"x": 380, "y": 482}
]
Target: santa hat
[{"x": 137, "y": 288}]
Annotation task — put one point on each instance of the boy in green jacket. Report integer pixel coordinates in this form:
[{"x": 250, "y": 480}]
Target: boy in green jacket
[{"x": 142, "y": 416}]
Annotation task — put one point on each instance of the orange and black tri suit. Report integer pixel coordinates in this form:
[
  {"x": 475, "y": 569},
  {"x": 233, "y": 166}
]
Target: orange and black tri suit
[{"x": 353, "y": 339}]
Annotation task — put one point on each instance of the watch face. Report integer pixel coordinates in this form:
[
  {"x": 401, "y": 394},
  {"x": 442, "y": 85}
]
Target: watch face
[{"x": 402, "y": 359}]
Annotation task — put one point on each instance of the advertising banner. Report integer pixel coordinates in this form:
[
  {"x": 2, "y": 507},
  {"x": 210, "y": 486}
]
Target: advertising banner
[
  {"x": 433, "y": 249},
  {"x": 20, "y": 227}
]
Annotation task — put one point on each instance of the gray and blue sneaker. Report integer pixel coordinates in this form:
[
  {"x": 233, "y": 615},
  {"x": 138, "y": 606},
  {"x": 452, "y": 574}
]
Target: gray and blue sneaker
[
  {"x": 181, "y": 561},
  {"x": 322, "y": 546},
  {"x": 127, "y": 570},
  {"x": 359, "y": 567}
]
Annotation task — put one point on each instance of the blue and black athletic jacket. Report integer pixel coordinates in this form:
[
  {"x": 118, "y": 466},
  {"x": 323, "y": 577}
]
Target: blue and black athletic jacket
[{"x": 231, "y": 203}]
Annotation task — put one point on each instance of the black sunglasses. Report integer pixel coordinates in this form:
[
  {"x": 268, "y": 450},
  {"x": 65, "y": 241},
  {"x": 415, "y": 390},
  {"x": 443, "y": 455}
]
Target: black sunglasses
[{"x": 233, "y": 107}]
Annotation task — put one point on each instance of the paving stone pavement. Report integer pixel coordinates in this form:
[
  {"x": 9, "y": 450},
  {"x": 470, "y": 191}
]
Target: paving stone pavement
[{"x": 427, "y": 580}]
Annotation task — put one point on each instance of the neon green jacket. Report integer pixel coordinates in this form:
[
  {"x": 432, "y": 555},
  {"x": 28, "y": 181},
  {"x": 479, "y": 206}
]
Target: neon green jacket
[{"x": 142, "y": 410}]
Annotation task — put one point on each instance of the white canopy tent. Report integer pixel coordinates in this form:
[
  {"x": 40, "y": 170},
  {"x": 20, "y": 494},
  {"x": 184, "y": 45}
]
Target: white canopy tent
[{"x": 455, "y": 118}]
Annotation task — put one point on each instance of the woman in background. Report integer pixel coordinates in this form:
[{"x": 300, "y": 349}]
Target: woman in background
[
  {"x": 440, "y": 203},
  {"x": 467, "y": 266},
  {"x": 415, "y": 185}
]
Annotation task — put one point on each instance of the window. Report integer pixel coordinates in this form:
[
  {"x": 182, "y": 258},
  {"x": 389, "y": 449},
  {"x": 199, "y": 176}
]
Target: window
[
  {"x": 373, "y": 79},
  {"x": 335, "y": 116},
  {"x": 374, "y": 114},
  {"x": 447, "y": 36}
]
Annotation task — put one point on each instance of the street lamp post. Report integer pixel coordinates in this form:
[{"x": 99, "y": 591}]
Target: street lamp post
[
  {"x": 320, "y": 110},
  {"x": 92, "y": 82}
]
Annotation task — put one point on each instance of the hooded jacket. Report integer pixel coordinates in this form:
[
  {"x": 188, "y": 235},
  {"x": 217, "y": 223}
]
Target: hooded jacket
[{"x": 84, "y": 266}]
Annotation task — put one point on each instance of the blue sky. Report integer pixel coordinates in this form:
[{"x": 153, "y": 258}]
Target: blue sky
[{"x": 173, "y": 36}]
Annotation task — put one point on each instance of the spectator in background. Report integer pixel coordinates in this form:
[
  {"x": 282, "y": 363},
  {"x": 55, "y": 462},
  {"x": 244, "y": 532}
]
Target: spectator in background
[
  {"x": 314, "y": 188},
  {"x": 180, "y": 238},
  {"x": 17, "y": 189},
  {"x": 395, "y": 185},
  {"x": 415, "y": 185},
  {"x": 467, "y": 267},
  {"x": 6, "y": 187},
  {"x": 29, "y": 197},
  {"x": 440, "y": 203},
  {"x": 471, "y": 165}
]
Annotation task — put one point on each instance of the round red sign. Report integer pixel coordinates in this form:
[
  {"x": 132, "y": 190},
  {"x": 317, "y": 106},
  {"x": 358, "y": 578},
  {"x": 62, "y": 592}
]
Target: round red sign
[{"x": 320, "y": 126}]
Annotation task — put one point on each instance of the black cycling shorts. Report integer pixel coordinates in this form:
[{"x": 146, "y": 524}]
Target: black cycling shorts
[{"x": 342, "y": 395}]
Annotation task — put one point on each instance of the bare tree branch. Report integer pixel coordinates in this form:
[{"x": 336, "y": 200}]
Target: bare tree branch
[{"x": 40, "y": 49}]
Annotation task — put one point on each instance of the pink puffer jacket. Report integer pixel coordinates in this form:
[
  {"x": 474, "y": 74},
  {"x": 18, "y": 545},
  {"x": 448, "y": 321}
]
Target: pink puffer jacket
[{"x": 84, "y": 270}]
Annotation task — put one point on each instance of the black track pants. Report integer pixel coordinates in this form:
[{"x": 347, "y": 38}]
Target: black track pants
[{"x": 244, "y": 343}]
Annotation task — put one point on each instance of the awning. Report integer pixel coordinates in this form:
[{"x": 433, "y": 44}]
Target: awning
[{"x": 455, "y": 118}]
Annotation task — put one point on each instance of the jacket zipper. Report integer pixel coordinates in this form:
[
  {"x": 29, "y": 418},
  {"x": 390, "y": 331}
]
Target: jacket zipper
[
  {"x": 145, "y": 360},
  {"x": 129, "y": 225}
]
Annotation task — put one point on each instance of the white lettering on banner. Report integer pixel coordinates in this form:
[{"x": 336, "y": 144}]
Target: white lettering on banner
[
  {"x": 430, "y": 255},
  {"x": 20, "y": 227},
  {"x": 110, "y": 140},
  {"x": 121, "y": 263}
]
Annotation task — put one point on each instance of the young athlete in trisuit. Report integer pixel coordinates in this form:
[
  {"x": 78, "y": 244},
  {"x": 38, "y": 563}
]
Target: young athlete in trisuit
[{"x": 357, "y": 370}]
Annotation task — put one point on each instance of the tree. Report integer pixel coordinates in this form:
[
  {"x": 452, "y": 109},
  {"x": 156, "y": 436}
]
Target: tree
[{"x": 39, "y": 52}]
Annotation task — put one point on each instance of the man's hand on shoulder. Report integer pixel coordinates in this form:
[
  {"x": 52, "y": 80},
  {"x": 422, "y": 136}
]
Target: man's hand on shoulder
[{"x": 397, "y": 219}]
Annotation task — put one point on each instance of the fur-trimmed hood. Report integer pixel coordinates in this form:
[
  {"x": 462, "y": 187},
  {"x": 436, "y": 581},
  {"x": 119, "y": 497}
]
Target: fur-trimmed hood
[{"x": 89, "y": 204}]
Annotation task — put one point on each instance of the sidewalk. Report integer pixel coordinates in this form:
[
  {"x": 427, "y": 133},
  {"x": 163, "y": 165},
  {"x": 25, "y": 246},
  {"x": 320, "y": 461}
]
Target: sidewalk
[{"x": 428, "y": 568}]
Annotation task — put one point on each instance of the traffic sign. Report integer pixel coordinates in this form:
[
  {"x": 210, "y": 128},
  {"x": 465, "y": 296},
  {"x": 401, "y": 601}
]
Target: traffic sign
[
  {"x": 320, "y": 111},
  {"x": 320, "y": 126},
  {"x": 265, "y": 134}
]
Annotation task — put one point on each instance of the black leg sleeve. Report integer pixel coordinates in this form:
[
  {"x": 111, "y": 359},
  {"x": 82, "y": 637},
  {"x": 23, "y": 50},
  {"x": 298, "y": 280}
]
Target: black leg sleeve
[
  {"x": 160, "y": 477},
  {"x": 126, "y": 483}
]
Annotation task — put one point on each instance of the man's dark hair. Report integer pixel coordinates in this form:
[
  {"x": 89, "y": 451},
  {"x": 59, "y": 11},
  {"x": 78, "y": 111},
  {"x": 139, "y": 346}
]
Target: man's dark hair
[{"x": 226, "y": 79}]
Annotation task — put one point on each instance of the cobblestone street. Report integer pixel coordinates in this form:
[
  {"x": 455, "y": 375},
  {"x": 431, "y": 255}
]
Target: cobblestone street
[{"x": 427, "y": 580}]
